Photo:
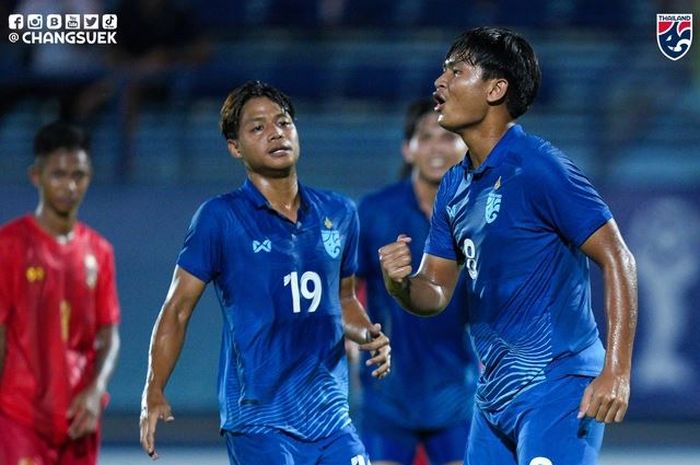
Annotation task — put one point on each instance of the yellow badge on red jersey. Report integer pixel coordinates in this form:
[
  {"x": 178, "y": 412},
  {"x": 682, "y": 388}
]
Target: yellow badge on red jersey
[{"x": 35, "y": 274}]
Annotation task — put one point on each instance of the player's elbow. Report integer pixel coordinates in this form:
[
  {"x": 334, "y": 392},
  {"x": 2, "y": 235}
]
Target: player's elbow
[
  {"x": 427, "y": 312},
  {"x": 427, "y": 306}
]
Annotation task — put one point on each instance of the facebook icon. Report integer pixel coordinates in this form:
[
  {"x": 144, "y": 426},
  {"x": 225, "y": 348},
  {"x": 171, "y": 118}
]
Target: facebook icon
[{"x": 16, "y": 21}]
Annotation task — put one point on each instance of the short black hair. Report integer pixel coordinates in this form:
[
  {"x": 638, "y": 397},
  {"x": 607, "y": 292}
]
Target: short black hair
[
  {"x": 414, "y": 113},
  {"x": 230, "y": 115},
  {"x": 501, "y": 53},
  {"x": 59, "y": 135}
]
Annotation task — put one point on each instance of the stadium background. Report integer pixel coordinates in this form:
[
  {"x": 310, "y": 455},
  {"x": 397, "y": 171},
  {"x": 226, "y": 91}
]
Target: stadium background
[{"x": 624, "y": 113}]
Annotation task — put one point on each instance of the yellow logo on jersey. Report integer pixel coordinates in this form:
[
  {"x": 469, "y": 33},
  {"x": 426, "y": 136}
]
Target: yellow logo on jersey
[
  {"x": 35, "y": 273},
  {"x": 27, "y": 461},
  {"x": 498, "y": 184},
  {"x": 328, "y": 223}
]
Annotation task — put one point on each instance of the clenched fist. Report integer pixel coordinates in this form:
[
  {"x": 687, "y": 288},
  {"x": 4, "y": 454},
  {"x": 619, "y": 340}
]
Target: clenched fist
[{"x": 395, "y": 259}]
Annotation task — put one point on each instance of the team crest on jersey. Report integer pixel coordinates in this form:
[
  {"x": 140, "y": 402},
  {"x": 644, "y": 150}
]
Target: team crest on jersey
[
  {"x": 493, "y": 206},
  {"x": 35, "y": 274},
  {"x": 331, "y": 238},
  {"x": 493, "y": 203},
  {"x": 90, "y": 263},
  {"x": 674, "y": 34}
]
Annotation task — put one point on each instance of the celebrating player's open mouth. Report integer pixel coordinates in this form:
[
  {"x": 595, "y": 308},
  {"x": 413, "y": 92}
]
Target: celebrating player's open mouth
[{"x": 439, "y": 101}]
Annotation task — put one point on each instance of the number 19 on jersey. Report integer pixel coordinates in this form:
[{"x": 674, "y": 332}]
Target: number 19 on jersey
[{"x": 309, "y": 287}]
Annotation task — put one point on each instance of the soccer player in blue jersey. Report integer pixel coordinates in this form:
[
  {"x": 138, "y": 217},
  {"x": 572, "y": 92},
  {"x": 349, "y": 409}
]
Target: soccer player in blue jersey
[
  {"x": 282, "y": 257},
  {"x": 428, "y": 398},
  {"x": 523, "y": 221}
]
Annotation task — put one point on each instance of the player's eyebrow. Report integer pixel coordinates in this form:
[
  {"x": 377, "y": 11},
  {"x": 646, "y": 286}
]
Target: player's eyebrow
[
  {"x": 257, "y": 118},
  {"x": 448, "y": 64}
]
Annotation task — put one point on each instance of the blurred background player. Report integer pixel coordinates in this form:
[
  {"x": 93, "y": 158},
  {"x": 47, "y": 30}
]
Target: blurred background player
[
  {"x": 429, "y": 396},
  {"x": 282, "y": 257},
  {"x": 58, "y": 314},
  {"x": 523, "y": 220}
]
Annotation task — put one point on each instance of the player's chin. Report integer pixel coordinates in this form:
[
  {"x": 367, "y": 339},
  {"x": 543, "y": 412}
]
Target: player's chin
[
  {"x": 433, "y": 175},
  {"x": 281, "y": 162}
]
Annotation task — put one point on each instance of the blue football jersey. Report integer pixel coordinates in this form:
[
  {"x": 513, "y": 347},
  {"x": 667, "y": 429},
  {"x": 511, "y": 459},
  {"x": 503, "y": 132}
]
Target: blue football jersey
[
  {"x": 282, "y": 363},
  {"x": 517, "y": 223},
  {"x": 434, "y": 370}
]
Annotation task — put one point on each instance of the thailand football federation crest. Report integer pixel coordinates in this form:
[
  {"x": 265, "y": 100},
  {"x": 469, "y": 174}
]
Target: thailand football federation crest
[
  {"x": 331, "y": 238},
  {"x": 674, "y": 34},
  {"x": 493, "y": 203}
]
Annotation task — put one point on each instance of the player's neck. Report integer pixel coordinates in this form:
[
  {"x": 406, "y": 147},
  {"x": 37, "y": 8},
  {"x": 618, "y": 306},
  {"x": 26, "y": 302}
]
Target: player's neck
[
  {"x": 425, "y": 193},
  {"x": 55, "y": 224},
  {"x": 281, "y": 193},
  {"x": 483, "y": 138}
]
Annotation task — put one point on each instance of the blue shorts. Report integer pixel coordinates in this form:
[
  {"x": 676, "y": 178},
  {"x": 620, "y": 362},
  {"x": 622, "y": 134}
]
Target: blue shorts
[
  {"x": 279, "y": 448},
  {"x": 538, "y": 428},
  {"x": 393, "y": 443}
]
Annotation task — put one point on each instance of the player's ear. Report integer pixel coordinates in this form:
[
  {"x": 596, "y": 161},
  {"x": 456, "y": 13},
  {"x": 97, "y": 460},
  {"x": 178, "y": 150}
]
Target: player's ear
[
  {"x": 497, "y": 90},
  {"x": 233, "y": 148},
  {"x": 34, "y": 174},
  {"x": 406, "y": 152}
]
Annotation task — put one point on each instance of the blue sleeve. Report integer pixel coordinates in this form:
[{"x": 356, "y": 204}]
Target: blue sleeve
[
  {"x": 200, "y": 255},
  {"x": 565, "y": 199},
  {"x": 348, "y": 267},
  {"x": 364, "y": 252},
  {"x": 440, "y": 241}
]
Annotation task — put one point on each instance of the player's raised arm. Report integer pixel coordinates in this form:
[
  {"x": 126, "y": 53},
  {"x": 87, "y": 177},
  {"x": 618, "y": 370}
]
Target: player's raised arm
[
  {"x": 166, "y": 342},
  {"x": 429, "y": 290},
  {"x": 607, "y": 397},
  {"x": 358, "y": 328}
]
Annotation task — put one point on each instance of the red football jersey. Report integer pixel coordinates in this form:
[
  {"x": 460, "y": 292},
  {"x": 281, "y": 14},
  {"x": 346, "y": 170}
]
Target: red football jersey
[{"x": 53, "y": 299}]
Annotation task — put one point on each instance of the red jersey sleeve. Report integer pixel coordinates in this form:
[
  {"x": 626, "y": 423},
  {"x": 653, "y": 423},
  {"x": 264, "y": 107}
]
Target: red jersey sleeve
[{"x": 107, "y": 301}]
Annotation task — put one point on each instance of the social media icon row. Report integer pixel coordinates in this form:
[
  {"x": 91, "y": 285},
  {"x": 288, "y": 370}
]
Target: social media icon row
[{"x": 69, "y": 21}]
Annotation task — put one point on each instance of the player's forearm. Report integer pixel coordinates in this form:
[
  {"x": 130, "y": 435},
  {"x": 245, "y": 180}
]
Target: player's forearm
[
  {"x": 166, "y": 343},
  {"x": 356, "y": 322},
  {"x": 620, "y": 278},
  {"x": 418, "y": 295},
  {"x": 108, "y": 343}
]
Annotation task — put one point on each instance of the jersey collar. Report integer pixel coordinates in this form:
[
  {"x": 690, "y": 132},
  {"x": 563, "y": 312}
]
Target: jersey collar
[
  {"x": 259, "y": 201},
  {"x": 498, "y": 152}
]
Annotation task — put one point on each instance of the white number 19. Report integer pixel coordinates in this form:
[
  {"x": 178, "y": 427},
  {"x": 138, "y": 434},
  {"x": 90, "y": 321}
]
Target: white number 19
[{"x": 313, "y": 293}]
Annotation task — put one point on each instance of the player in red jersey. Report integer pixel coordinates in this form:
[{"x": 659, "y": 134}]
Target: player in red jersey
[{"x": 58, "y": 315}]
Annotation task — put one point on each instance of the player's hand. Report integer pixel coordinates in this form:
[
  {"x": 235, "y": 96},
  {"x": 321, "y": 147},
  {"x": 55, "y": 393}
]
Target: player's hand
[
  {"x": 395, "y": 259},
  {"x": 607, "y": 397},
  {"x": 154, "y": 407},
  {"x": 378, "y": 345},
  {"x": 84, "y": 412}
]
